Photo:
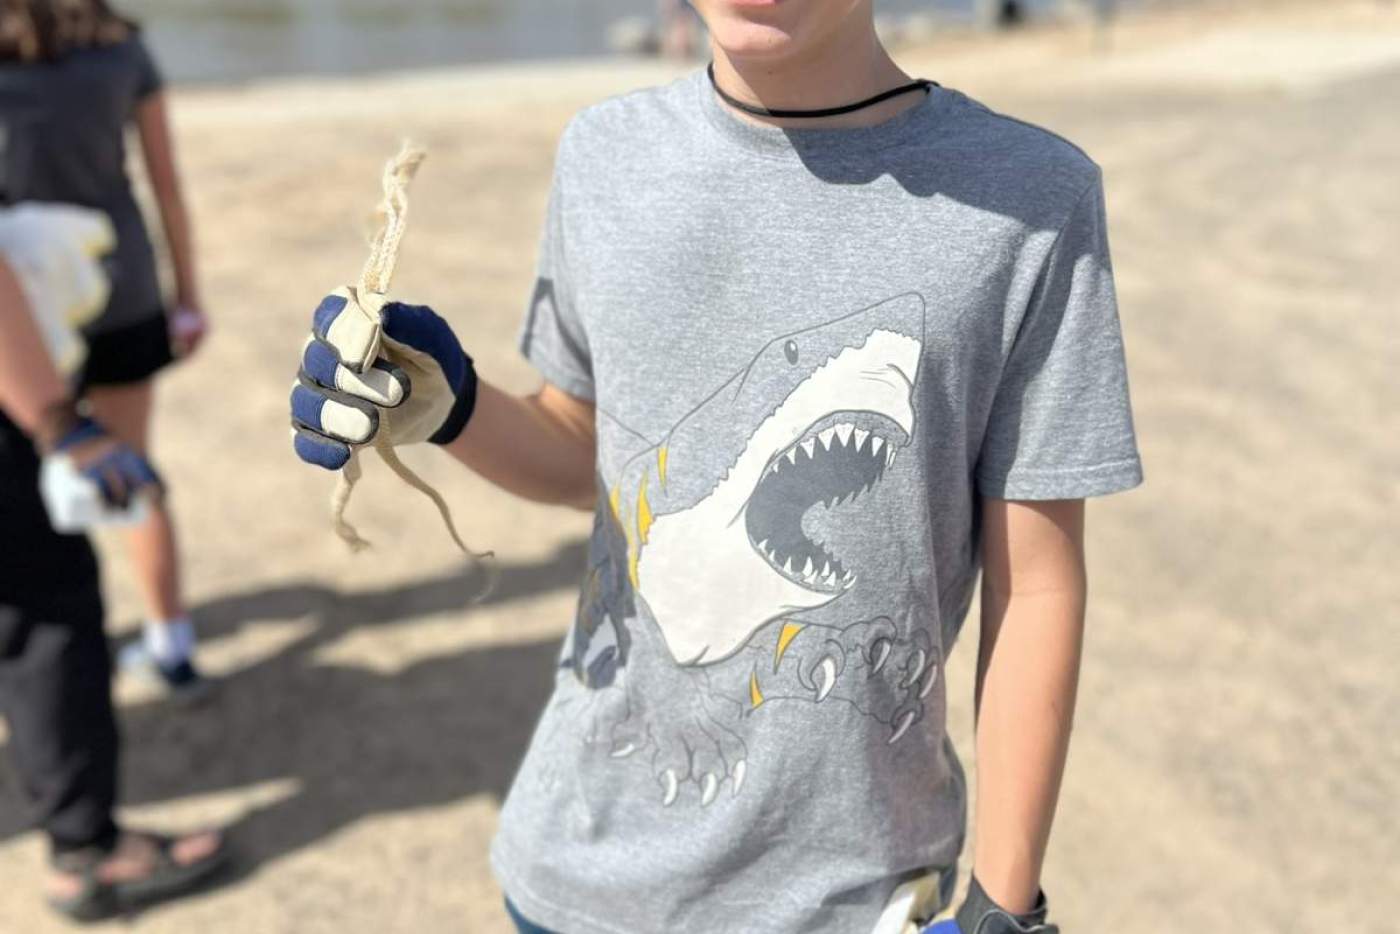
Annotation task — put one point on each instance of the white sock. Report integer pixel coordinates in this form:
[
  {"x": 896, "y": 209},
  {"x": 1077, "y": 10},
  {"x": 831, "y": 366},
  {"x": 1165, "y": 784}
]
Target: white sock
[{"x": 171, "y": 641}]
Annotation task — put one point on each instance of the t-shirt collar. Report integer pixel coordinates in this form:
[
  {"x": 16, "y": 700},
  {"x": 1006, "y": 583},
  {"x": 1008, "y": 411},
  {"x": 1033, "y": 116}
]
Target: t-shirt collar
[{"x": 814, "y": 144}]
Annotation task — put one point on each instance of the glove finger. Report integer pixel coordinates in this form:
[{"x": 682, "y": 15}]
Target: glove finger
[
  {"x": 319, "y": 450},
  {"x": 113, "y": 484},
  {"x": 349, "y": 328},
  {"x": 138, "y": 473},
  {"x": 336, "y": 414},
  {"x": 382, "y": 384}
]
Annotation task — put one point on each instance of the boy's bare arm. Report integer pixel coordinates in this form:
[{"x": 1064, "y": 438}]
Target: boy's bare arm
[
  {"x": 538, "y": 446},
  {"x": 422, "y": 386},
  {"x": 1033, "y": 596}
]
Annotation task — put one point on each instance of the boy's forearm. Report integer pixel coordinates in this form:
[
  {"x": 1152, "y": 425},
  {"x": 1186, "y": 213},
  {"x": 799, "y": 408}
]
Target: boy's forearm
[
  {"x": 1032, "y": 630},
  {"x": 1023, "y": 729},
  {"x": 531, "y": 446}
]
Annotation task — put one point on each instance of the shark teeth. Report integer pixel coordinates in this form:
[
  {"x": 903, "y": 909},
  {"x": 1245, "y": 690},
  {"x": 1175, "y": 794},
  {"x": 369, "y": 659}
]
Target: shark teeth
[
  {"x": 861, "y": 435},
  {"x": 825, "y": 437},
  {"x": 843, "y": 432},
  {"x": 810, "y": 446}
]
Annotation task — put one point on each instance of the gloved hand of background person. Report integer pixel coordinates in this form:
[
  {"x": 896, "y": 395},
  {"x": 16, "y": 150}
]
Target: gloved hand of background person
[
  {"x": 980, "y": 915},
  {"x": 408, "y": 381},
  {"x": 80, "y": 457}
]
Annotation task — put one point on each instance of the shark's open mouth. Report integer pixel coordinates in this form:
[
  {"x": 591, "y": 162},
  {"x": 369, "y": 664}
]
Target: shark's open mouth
[{"x": 836, "y": 460}]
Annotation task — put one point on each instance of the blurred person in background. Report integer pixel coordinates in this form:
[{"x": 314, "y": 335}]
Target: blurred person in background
[
  {"x": 820, "y": 344},
  {"x": 74, "y": 74},
  {"x": 55, "y": 684}
]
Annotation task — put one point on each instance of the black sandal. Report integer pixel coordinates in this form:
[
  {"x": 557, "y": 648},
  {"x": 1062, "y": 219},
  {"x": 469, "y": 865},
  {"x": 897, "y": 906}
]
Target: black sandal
[{"x": 97, "y": 900}]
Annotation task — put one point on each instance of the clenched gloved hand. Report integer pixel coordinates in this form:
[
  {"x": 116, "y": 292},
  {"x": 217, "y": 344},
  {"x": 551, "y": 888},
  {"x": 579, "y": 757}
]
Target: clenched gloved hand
[
  {"x": 980, "y": 915},
  {"x": 406, "y": 380}
]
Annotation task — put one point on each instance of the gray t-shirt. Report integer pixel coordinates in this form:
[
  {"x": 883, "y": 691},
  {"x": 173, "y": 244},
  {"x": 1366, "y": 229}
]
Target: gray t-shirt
[
  {"x": 811, "y": 353},
  {"x": 62, "y": 139}
]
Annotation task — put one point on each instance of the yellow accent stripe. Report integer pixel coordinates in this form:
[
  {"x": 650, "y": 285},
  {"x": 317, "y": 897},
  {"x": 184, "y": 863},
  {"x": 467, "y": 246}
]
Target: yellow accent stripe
[
  {"x": 661, "y": 455},
  {"x": 643, "y": 514},
  {"x": 755, "y": 693},
  {"x": 615, "y": 501},
  {"x": 790, "y": 631}
]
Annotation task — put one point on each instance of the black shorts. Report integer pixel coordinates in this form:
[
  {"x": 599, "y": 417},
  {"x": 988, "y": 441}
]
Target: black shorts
[{"x": 130, "y": 354}]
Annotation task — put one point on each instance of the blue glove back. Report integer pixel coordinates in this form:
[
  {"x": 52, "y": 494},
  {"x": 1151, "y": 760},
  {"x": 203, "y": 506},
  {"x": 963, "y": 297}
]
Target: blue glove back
[{"x": 119, "y": 473}]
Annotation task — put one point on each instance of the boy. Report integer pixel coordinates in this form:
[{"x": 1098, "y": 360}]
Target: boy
[{"x": 817, "y": 342}]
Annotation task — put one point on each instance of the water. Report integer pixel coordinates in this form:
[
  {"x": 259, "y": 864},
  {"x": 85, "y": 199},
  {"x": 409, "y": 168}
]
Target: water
[{"x": 231, "y": 40}]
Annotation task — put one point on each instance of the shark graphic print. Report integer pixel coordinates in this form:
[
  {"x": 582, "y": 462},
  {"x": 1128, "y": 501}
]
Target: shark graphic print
[{"x": 714, "y": 588}]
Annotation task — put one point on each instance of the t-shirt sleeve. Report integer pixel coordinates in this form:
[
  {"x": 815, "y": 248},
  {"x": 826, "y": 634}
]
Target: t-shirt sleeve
[
  {"x": 149, "y": 80},
  {"x": 552, "y": 336},
  {"x": 1061, "y": 426}
]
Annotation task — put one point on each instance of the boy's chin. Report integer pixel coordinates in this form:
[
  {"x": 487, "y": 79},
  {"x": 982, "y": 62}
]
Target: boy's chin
[{"x": 754, "y": 42}]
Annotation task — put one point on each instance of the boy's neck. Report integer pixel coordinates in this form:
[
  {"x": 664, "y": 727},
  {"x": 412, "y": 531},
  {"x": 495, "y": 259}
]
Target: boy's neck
[{"x": 850, "y": 66}]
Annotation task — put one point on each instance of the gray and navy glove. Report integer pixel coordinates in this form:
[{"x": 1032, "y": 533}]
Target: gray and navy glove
[
  {"x": 375, "y": 370},
  {"x": 980, "y": 915},
  {"x": 119, "y": 473}
]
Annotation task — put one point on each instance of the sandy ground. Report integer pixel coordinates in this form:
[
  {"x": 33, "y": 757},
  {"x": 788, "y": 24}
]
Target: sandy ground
[{"x": 1236, "y": 765}]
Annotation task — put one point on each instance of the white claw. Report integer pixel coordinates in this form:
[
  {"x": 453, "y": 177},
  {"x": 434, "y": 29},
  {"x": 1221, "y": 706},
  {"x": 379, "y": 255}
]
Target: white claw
[
  {"x": 825, "y": 437},
  {"x": 708, "y": 789},
  {"x": 843, "y": 433},
  {"x": 672, "y": 786},
  {"x": 931, "y": 677},
  {"x": 861, "y": 435},
  {"x": 916, "y": 668},
  {"x": 849, "y": 579},
  {"x": 827, "y": 679},
  {"x": 626, "y": 749},
  {"x": 901, "y": 727},
  {"x": 880, "y": 656},
  {"x": 738, "y": 771},
  {"x": 810, "y": 446},
  {"x": 889, "y": 456},
  {"x": 875, "y": 444}
]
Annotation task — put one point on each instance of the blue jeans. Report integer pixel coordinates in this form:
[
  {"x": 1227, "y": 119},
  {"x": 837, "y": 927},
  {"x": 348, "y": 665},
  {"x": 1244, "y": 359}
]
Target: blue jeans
[{"x": 523, "y": 925}]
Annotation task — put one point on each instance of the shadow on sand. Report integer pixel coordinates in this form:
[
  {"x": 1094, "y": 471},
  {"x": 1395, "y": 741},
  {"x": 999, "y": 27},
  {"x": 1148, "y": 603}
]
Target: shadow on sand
[{"x": 354, "y": 742}]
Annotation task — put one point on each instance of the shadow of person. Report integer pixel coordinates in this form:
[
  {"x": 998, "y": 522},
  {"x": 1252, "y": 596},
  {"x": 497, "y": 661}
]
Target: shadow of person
[{"x": 349, "y": 742}]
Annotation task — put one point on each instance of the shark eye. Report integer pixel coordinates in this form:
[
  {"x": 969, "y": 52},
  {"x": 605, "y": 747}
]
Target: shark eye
[{"x": 790, "y": 350}]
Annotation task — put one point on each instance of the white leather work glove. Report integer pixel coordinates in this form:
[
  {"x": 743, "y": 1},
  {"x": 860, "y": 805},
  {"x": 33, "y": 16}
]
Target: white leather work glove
[
  {"x": 378, "y": 370},
  {"x": 54, "y": 250}
]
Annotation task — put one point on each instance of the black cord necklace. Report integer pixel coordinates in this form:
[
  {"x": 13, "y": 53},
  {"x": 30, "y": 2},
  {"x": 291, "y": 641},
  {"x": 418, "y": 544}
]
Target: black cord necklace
[{"x": 923, "y": 84}]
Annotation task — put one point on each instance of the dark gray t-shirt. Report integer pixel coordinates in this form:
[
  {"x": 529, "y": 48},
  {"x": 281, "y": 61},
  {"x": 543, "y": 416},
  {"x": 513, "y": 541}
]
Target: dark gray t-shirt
[
  {"x": 811, "y": 353},
  {"x": 62, "y": 138}
]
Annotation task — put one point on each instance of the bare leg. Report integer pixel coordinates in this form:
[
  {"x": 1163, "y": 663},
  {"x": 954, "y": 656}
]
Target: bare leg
[{"x": 126, "y": 412}]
